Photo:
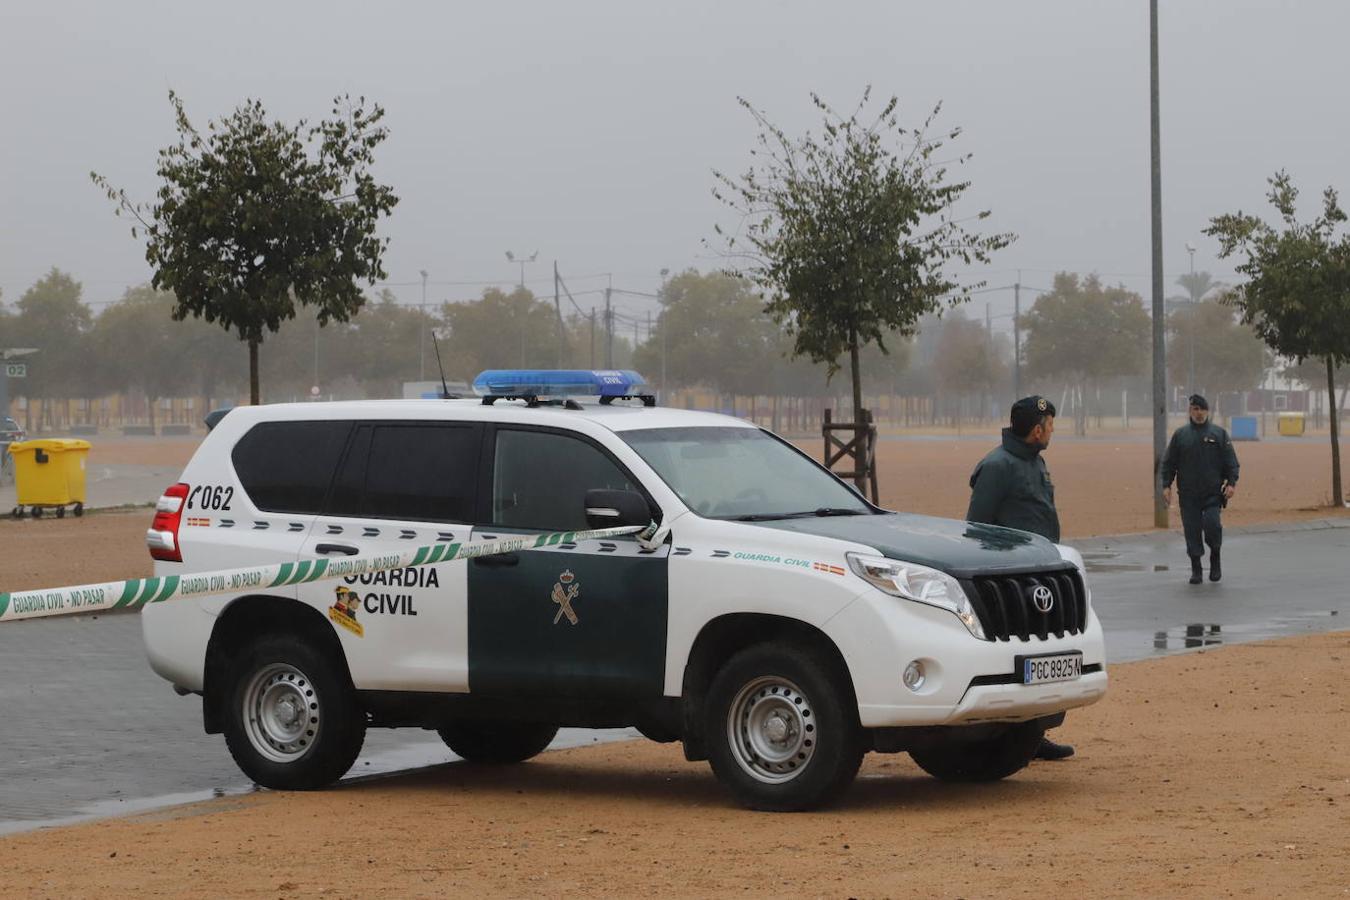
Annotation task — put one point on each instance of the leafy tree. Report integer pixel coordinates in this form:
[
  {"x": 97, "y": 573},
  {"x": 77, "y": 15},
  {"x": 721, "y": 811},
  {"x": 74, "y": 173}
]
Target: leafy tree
[
  {"x": 255, "y": 215},
  {"x": 850, "y": 233},
  {"x": 967, "y": 360},
  {"x": 1297, "y": 289},
  {"x": 381, "y": 347},
  {"x": 500, "y": 331},
  {"x": 1228, "y": 355},
  {"x": 713, "y": 331},
  {"x": 1082, "y": 332},
  {"x": 133, "y": 346},
  {"x": 53, "y": 318}
]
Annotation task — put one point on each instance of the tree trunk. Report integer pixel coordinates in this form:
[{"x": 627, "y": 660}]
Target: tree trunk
[
  {"x": 1337, "y": 498},
  {"x": 254, "y": 392},
  {"x": 859, "y": 448},
  {"x": 150, "y": 409}
]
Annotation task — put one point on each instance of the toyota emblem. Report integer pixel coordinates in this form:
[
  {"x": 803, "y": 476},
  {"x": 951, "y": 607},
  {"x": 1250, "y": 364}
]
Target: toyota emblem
[{"x": 1042, "y": 598}]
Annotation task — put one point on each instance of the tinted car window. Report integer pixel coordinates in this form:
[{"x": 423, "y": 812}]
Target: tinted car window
[
  {"x": 287, "y": 466},
  {"x": 409, "y": 471},
  {"x": 540, "y": 479}
]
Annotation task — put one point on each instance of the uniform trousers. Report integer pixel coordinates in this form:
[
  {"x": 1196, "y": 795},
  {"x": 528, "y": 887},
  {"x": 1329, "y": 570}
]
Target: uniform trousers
[{"x": 1201, "y": 521}]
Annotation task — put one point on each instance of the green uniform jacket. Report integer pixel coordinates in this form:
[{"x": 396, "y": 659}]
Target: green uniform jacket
[
  {"x": 1201, "y": 458},
  {"x": 1011, "y": 486}
]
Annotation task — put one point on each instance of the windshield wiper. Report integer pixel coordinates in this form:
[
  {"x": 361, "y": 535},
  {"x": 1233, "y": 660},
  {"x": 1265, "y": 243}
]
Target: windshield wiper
[{"x": 804, "y": 514}]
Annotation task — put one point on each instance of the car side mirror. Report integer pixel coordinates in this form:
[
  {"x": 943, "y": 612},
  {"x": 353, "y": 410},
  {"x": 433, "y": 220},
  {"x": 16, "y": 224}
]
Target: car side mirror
[{"x": 616, "y": 509}]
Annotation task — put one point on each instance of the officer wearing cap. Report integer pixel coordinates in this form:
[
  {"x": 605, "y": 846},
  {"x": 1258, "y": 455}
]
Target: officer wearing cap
[
  {"x": 1011, "y": 487},
  {"x": 1201, "y": 458}
]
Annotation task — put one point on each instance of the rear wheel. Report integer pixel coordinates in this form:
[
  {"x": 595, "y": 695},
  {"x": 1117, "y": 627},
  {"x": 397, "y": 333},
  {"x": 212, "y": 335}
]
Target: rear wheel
[
  {"x": 987, "y": 760},
  {"x": 291, "y": 720},
  {"x": 486, "y": 741},
  {"x": 782, "y": 728}
]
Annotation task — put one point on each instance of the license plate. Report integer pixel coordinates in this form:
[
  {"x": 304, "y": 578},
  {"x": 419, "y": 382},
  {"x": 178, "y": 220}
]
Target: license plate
[{"x": 1051, "y": 667}]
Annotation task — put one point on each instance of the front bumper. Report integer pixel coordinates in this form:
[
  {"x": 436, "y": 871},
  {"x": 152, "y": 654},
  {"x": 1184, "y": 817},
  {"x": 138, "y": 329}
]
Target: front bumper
[{"x": 879, "y": 635}]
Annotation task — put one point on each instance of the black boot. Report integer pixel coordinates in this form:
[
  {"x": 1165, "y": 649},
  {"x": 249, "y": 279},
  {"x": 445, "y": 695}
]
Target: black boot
[
  {"x": 1215, "y": 572},
  {"x": 1050, "y": 750},
  {"x": 1197, "y": 575}
]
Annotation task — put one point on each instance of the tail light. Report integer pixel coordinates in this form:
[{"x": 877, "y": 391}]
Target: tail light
[{"x": 162, "y": 538}]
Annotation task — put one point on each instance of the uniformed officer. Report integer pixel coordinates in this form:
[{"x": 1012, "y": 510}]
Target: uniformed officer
[
  {"x": 1202, "y": 460},
  {"x": 1011, "y": 486}
]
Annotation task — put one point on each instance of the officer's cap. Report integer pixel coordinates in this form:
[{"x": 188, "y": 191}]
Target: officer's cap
[
  {"x": 1199, "y": 402},
  {"x": 1027, "y": 413}
]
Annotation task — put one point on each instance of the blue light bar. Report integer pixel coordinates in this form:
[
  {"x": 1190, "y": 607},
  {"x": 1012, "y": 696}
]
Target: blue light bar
[{"x": 559, "y": 383}]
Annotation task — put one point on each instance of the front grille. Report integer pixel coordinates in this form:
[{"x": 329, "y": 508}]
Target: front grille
[{"x": 1004, "y": 604}]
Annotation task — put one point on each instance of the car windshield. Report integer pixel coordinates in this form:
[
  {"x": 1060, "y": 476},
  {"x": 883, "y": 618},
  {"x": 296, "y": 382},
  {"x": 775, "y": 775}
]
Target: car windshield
[{"x": 742, "y": 473}]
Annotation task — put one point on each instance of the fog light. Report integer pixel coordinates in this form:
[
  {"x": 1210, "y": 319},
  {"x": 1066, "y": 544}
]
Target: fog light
[{"x": 914, "y": 676}]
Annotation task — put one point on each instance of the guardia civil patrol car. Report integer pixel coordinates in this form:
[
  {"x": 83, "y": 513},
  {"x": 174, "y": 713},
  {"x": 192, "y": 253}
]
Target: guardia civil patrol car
[{"x": 772, "y": 620}]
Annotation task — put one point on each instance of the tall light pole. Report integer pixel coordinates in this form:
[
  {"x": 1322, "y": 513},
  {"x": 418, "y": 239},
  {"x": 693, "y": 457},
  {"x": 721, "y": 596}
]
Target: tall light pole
[
  {"x": 422, "y": 341},
  {"x": 1159, "y": 350},
  {"x": 522, "y": 260},
  {"x": 1190, "y": 289},
  {"x": 661, "y": 321}
]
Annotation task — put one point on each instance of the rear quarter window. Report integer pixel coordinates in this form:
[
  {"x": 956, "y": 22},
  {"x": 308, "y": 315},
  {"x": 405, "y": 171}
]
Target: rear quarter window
[{"x": 288, "y": 466}]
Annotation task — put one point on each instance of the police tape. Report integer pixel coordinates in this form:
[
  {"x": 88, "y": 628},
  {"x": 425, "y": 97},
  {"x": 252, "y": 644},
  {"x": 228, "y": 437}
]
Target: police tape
[{"x": 88, "y": 598}]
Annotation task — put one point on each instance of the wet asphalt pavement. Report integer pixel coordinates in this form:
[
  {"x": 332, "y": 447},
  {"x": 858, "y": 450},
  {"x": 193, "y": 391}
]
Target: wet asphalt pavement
[{"x": 87, "y": 730}]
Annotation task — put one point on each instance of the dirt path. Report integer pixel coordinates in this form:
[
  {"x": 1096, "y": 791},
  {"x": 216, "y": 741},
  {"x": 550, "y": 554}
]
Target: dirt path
[{"x": 1214, "y": 774}]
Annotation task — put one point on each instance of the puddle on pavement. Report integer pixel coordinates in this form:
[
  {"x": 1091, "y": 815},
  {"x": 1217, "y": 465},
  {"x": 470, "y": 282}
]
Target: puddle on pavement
[
  {"x": 1209, "y": 634},
  {"x": 1103, "y": 561},
  {"x": 1188, "y": 637}
]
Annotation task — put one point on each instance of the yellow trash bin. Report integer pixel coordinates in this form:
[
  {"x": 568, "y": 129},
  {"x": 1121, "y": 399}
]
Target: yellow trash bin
[
  {"x": 49, "y": 474},
  {"x": 1291, "y": 423}
]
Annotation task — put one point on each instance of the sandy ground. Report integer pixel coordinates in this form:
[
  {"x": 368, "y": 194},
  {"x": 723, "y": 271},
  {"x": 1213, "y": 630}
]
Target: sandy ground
[
  {"x": 1102, "y": 487},
  {"x": 1221, "y": 773},
  {"x": 1214, "y": 774}
]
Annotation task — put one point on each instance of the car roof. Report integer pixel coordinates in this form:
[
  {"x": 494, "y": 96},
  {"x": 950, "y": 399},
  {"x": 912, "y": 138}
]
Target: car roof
[{"x": 623, "y": 416}]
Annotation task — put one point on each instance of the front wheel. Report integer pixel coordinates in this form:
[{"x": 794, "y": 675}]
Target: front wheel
[
  {"x": 986, "y": 760},
  {"x": 291, "y": 721},
  {"x": 486, "y": 741},
  {"x": 782, "y": 728}
]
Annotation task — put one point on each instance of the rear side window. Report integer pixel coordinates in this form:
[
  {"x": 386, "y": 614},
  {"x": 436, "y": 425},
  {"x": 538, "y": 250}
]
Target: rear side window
[
  {"x": 426, "y": 472},
  {"x": 287, "y": 466},
  {"x": 540, "y": 479}
]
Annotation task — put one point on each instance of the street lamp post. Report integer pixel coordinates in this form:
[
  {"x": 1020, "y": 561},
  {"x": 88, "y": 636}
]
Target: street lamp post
[
  {"x": 422, "y": 341},
  {"x": 522, "y": 260},
  {"x": 1190, "y": 349}
]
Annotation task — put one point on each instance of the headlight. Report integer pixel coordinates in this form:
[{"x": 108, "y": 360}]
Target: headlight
[{"x": 918, "y": 583}]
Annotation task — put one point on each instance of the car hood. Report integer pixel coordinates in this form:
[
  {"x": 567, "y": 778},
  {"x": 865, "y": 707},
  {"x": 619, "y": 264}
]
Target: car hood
[{"x": 959, "y": 548}]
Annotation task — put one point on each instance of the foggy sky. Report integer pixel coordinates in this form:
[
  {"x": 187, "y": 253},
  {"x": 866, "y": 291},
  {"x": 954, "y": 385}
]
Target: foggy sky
[{"x": 586, "y": 130}]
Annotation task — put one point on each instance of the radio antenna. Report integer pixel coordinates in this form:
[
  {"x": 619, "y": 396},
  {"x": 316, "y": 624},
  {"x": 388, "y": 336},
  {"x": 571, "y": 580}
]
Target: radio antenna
[{"x": 445, "y": 389}]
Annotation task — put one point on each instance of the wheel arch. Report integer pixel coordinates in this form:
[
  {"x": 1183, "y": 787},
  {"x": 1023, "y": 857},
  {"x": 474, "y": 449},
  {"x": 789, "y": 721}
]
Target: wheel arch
[
  {"x": 723, "y": 637},
  {"x": 250, "y": 617}
]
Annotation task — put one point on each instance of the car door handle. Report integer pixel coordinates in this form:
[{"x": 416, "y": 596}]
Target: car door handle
[
  {"x": 344, "y": 549},
  {"x": 497, "y": 560}
]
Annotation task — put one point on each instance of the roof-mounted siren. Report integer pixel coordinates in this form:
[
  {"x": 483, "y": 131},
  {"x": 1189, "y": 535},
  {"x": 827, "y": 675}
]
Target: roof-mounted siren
[{"x": 539, "y": 386}]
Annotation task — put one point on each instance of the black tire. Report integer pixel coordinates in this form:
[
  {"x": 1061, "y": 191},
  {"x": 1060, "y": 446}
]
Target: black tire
[
  {"x": 497, "y": 743},
  {"x": 781, "y": 726},
  {"x": 987, "y": 760},
  {"x": 78, "y": 510},
  {"x": 35, "y": 512},
  {"x": 261, "y": 728},
  {"x": 60, "y": 512}
]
